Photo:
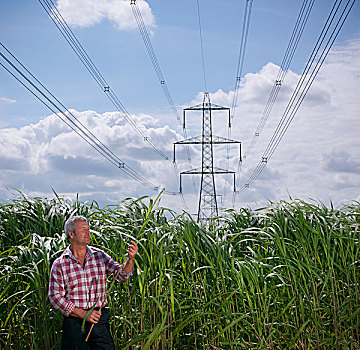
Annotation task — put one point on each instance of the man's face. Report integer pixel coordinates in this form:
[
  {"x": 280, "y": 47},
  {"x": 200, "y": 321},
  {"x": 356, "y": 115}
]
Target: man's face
[{"x": 81, "y": 236}]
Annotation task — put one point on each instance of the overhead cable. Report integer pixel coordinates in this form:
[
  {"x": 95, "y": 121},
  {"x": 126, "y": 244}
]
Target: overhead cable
[
  {"x": 279, "y": 81},
  {"x": 154, "y": 61},
  {"x": 239, "y": 68},
  {"x": 151, "y": 52},
  {"x": 310, "y": 72},
  {"x": 240, "y": 64},
  {"x": 13, "y": 66},
  {"x": 69, "y": 36},
  {"x": 76, "y": 46},
  {"x": 201, "y": 46}
]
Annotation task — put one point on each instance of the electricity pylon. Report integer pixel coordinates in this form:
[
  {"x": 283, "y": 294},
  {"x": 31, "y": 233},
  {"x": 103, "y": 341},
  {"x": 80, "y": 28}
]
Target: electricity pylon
[{"x": 208, "y": 207}]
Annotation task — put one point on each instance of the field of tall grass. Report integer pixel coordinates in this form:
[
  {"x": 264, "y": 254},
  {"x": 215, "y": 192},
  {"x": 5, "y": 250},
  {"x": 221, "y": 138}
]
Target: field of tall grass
[{"x": 282, "y": 277}]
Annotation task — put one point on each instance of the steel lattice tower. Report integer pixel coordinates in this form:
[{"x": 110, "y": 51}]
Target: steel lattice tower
[{"x": 208, "y": 207}]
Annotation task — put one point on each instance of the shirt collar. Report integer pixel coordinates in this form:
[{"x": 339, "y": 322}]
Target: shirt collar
[
  {"x": 68, "y": 252},
  {"x": 90, "y": 250}
]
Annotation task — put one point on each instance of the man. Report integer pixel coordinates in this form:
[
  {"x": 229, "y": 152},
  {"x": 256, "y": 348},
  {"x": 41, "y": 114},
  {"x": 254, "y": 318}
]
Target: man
[{"x": 77, "y": 279}]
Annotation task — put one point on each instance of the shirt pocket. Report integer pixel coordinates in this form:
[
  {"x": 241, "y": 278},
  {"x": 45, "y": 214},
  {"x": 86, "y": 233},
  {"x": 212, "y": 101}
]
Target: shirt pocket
[{"x": 74, "y": 278}]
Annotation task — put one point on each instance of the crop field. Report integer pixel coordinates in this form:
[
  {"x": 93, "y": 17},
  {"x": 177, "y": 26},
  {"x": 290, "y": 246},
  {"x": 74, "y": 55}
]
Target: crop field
[{"x": 282, "y": 277}]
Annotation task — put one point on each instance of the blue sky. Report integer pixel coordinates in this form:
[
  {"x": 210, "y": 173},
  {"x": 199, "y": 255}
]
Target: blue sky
[{"x": 111, "y": 38}]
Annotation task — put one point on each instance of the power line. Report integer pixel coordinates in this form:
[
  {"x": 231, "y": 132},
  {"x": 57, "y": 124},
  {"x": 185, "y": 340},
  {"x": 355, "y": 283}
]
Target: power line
[
  {"x": 308, "y": 67},
  {"x": 154, "y": 61},
  {"x": 151, "y": 52},
  {"x": 201, "y": 45},
  {"x": 314, "y": 64},
  {"x": 279, "y": 81},
  {"x": 240, "y": 64},
  {"x": 36, "y": 88},
  {"x": 287, "y": 59},
  {"x": 76, "y": 46}
]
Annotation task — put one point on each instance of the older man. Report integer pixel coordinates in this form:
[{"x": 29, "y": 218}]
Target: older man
[{"x": 77, "y": 279}]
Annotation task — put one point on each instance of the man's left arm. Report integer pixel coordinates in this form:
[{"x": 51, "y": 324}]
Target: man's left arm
[{"x": 128, "y": 267}]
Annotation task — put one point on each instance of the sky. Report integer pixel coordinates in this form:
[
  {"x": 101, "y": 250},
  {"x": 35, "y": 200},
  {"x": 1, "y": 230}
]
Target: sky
[{"x": 318, "y": 158}]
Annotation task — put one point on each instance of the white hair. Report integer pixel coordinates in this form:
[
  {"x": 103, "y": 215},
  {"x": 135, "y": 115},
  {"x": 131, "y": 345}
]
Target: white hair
[{"x": 70, "y": 223}]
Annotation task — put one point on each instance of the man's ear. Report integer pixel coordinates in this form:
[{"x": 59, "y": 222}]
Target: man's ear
[{"x": 71, "y": 234}]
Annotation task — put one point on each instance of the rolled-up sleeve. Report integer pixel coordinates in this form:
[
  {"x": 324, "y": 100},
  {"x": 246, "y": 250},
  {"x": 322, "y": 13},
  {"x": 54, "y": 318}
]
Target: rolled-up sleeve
[{"x": 57, "y": 291}]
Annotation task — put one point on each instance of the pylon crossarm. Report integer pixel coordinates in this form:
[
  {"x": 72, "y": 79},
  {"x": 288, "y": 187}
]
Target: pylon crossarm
[
  {"x": 201, "y": 107},
  {"x": 198, "y": 140},
  {"x": 191, "y": 171}
]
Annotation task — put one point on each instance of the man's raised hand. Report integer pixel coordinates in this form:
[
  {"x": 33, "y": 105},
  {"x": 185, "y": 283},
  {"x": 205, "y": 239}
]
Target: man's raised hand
[{"x": 132, "y": 251}]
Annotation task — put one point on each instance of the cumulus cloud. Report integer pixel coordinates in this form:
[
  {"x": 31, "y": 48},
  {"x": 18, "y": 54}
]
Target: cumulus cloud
[
  {"x": 86, "y": 13},
  {"x": 317, "y": 158},
  {"x": 48, "y": 154}
]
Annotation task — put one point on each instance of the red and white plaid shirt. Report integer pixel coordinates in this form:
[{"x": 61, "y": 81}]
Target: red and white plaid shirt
[{"x": 72, "y": 284}]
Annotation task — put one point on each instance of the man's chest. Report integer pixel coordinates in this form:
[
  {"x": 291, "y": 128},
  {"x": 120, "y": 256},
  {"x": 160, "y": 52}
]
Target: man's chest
[{"x": 87, "y": 276}]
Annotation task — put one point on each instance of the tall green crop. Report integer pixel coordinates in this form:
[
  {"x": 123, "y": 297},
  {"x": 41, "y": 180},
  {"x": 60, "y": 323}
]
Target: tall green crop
[{"x": 283, "y": 277}]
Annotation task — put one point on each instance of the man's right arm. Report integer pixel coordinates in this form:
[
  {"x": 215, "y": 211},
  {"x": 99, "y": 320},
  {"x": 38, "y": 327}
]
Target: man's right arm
[
  {"x": 94, "y": 317},
  {"x": 57, "y": 290}
]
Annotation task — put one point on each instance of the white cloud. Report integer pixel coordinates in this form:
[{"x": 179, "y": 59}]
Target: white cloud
[
  {"x": 319, "y": 153},
  {"x": 86, "y": 13},
  {"x": 49, "y": 154},
  {"x": 317, "y": 158},
  {"x": 4, "y": 100}
]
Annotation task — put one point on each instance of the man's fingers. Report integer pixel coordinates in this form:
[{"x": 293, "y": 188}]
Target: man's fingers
[
  {"x": 132, "y": 250},
  {"x": 94, "y": 317},
  {"x": 97, "y": 315},
  {"x": 133, "y": 247}
]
